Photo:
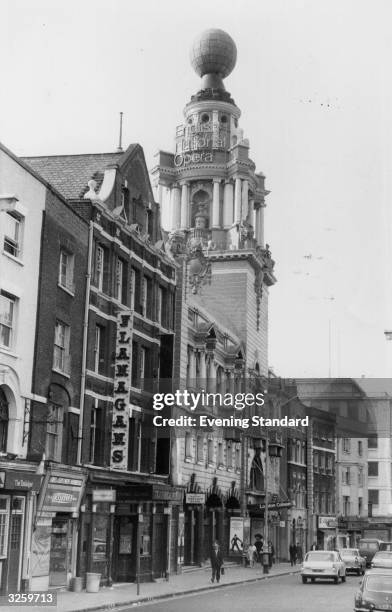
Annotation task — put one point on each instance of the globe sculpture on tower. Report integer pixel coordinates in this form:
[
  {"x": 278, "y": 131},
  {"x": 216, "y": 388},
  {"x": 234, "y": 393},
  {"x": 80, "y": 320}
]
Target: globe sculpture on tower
[{"x": 213, "y": 56}]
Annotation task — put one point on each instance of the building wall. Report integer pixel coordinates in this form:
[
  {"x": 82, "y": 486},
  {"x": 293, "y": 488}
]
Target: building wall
[{"x": 19, "y": 277}]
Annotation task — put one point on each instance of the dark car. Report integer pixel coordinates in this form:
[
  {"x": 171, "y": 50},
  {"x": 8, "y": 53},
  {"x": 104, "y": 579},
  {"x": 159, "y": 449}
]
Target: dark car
[
  {"x": 382, "y": 559},
  {"x": 386, "y": 546},
  {"x": 368, "y": 548},
  {"x": 375, "y": 592}
]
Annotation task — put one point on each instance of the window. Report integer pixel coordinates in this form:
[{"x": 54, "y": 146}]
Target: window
[
  {"x": 346, "y": 476},
  {"x": 160, "y": 305},
  {"x": 346, "y": 506},
  {"x": 238, "y": 457},
  {"x": 135, "y": 362},
  {"x": 96, "y": 435},
  {"x": 7, "y": 319},
  {"x": 118, "y": 291},
  {"x": 360, "y": 505},
  {"x": 360, "y": 448},
  {"x": 200, "y": 449},
  {"x": 4, "y": 418},
  {"x": 54, "y": 430},
  {"x": 372, "y": 442},
  {"x": 360, "y": 477},
  {"x": 61, "y": 359},
  {"x": 147, "y": 297},
  {"x": 99, "y": 267},
  {"x": 373, "y": 496},
  {"x": 143, "y": 361},
  {"x": 12, "y": 234},
  {"x": 346, "y": 445},
  {"x": 4, "y": 518},
  {"x": 99, "y": 349},
  {"x": 372, "y": 468},
  {"x": 229, "y": 455},
  {"x": 210, "y": 450},
  {"x": 66, "y": 271},
  {"x": 188, "y": 446},
  {"x": 221, "y": 457}
]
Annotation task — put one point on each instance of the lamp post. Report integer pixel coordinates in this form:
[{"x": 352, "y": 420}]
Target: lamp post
[{"x": 273, "y": 448}]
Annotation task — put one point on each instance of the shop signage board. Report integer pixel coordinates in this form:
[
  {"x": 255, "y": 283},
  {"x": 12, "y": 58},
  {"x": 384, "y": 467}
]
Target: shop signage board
[
  {"x": 22, "y": 481},
  {"x": 104, "y": 495},
  {"x": 327, "y": 522},
  {"x": 62, "y": 492},
  {"x": 122, "y": 382},
  {"x": 166, "y": 493},
  {"x": 195, "y": 498},
  {"x": 236, "y": 539}
]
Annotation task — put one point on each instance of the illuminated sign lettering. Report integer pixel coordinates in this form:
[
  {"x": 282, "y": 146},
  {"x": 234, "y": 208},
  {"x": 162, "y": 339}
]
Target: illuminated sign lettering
[{"x": 184, "y": 159}]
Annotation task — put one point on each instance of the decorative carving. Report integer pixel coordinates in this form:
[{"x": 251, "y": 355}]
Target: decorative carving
[
  {"x": 259, "y": 294},
  {"x": 199, "y": 266}
]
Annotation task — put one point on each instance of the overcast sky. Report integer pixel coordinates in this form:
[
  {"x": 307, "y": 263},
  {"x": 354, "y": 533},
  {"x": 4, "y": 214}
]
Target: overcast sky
[{"x": 313, "y": 81}]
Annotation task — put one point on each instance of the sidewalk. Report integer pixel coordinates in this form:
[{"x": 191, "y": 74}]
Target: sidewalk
[{"x": 191, "y": 582}]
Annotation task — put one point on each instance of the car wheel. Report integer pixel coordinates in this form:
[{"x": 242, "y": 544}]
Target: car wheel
[
  {"x": 344, "y": 578},
  {"x": 304, "y": 579},
  {"x": 336, "y": 580},
  {"x": 312, "y": 580}
]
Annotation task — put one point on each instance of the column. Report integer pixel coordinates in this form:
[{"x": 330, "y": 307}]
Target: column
[
  {"x": 237, "y": 200},
  {"x": 228, "y": 204},
  {"x": 203, "y": 371},
  {"x": 175, "y": 202},
  {"x": 261, "y": 226},
  {"x": 184, "y": 206},
  {"x": 245, "y": 198},
  {"x": 215, "y": 204},
  {"x": 256, "y": 222}
]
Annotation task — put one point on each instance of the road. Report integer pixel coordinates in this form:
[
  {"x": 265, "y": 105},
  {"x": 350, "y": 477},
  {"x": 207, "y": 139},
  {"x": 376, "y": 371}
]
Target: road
[{"x": 284, "y": 594}]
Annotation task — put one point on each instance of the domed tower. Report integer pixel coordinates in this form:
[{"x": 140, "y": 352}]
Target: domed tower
[{"x": 210, "y": 193}]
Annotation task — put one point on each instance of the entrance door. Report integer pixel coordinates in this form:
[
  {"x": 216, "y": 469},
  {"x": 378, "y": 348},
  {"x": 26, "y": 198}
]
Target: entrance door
[
  {"x": 160, "y": 546},
  {"x": 15, "y": 543},
  {"x": 124, "y": 557},
  {"x": 60, "y": 551},
  {"x": 191, "y": 537}
]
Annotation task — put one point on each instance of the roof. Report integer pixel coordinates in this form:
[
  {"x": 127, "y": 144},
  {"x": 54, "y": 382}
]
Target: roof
[
  {"x": 376, "y": 387},
  {"x": 69, "y": 174}
]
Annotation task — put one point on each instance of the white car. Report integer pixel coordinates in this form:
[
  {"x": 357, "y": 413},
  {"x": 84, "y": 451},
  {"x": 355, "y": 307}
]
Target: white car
[{"x": 325, "y": 564}]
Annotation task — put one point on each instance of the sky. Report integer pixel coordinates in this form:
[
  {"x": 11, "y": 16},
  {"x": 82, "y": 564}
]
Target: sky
[{"x": 313, "y": 81}]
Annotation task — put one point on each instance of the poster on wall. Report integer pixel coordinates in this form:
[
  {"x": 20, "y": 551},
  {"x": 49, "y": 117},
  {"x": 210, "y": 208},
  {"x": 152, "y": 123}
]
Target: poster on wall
[{"x": 236, "y": 535}]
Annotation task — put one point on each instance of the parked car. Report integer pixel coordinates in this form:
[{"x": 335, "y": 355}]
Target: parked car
[
  {"x": 326, "y": 564},
  {"x": 353, "y": 560},
  {"x": 368, "y": 548},
  {"x": 382, "y": 559},
  {"x": 375, "y": 592},
  {"x": 386, "y": 546}
]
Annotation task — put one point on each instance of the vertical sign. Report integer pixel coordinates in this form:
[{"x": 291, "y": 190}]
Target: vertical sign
[{"x": 122, "y": 379}]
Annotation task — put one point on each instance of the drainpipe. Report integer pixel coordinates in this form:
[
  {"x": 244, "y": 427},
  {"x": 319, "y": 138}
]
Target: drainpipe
[{"x": 84, "y": 349}]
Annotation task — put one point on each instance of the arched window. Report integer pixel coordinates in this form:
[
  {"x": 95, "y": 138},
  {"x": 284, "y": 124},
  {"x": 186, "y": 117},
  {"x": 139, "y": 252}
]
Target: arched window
[{"x": 4, "y": 418}]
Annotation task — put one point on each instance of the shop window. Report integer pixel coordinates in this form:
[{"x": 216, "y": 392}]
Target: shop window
[
  {"x": 13, "y": 225},
  {"x": 7, "y": 319},
  {"x": 66, "y": 271},
  {"x": 4, "y": 420},
  {"x": 54, "y": 432},
  {"x": 61, "y": 356},
  {"x": 4, "y": 524}
]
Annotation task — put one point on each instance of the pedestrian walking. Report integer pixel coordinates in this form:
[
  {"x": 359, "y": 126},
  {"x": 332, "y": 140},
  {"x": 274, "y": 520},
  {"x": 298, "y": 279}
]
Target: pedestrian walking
[
  {"x": 293, "y": 554},
  {"x": 251, "y": 554},
  {"x": 299, "y": 553},
  {"x": 216, "y": 562},
  {"x": 271, "y": 552},
  {"x": 259, "y": 548}
]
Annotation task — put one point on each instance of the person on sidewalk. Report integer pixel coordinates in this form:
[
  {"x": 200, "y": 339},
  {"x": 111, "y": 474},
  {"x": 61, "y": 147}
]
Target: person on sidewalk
[
  {"x": 216, "y": 562},
  {"x": 293, "y": 554},
  {"x": 252, "y": 555},
  {"x": 271, "y": 553},
  {"x": 259, "y": 548},
  {"x": 299, "y": 553}
]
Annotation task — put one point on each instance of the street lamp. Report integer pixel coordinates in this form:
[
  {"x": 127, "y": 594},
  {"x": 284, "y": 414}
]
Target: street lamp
[{"x": 273, "y": 448}]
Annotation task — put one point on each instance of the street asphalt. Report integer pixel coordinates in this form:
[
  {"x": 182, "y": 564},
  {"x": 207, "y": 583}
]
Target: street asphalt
[{"x": 284, "y": 594}]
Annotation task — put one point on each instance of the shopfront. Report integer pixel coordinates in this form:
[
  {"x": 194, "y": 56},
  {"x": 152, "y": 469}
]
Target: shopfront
[
  {"x": 327, "y": 531},
  {"x": 17, "y": 494},
  {"x": 55, "y": 533},
  {"x": 129, "y": 533}
]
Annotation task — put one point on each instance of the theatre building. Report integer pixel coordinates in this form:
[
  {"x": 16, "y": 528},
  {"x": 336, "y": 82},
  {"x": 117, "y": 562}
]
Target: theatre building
[
  {"x": 213, "y": 203},
  {"x": 128, "y": 512}
]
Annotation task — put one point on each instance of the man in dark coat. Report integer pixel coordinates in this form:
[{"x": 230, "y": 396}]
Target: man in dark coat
[
  {"x": 216, "y": 562},
  {"x": 293, "y": 554}
]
